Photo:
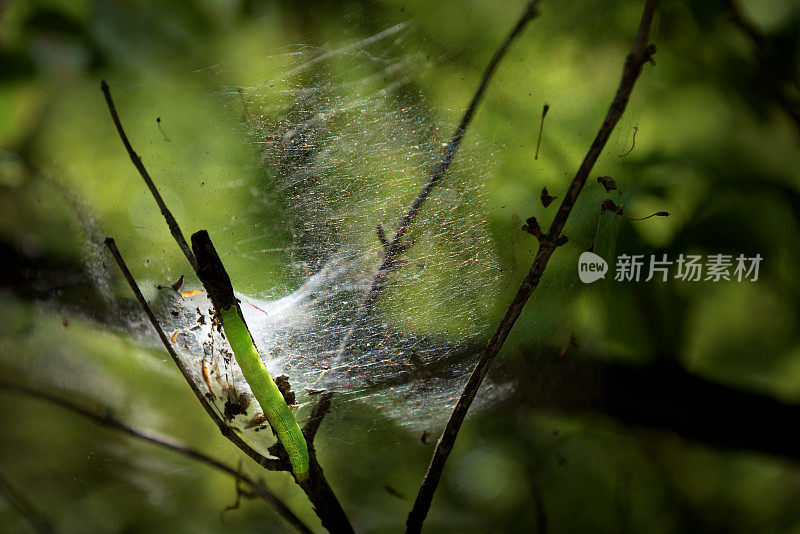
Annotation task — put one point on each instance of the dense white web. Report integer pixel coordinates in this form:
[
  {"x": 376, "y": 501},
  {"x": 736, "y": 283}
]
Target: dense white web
[{"x": 345, "y": 141}]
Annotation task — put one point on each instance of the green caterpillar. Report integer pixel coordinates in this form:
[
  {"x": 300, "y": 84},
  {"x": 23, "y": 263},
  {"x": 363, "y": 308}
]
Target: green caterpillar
[{"x": 266, "y": 392}]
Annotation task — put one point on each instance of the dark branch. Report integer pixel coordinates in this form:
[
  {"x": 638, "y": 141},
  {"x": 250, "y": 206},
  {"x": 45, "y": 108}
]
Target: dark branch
[
  {"x": 267, "y": 463},
  {"x": 137, "y": 162},
  {"x": 323, "y": 499},
  {"x": 212, "y": 273},
  {"x": 109, "y": 421},
  {"x": 396, "y": 247},
  {"x": 318, "y": 413},
  {"x": 640, "y": 53}
]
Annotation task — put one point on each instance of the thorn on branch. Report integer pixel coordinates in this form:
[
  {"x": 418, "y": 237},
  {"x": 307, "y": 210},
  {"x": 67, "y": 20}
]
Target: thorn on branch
[
  {"x": 532, "y": 227},
  {"x": 649, "y": 52}
]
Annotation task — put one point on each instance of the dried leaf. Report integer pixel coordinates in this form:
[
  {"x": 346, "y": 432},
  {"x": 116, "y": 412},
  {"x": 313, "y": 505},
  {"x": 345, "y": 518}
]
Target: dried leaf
[
  {"x": 191, "y": 293},
  {"x": 547, "y": 198},
  {"x": 608, "y": 205},
  {"x": 608, "y": 182},
  {"x": 175, "y": 286},
  {"x": 207, "y": 380},
  {"x": 286, "y": 389}
]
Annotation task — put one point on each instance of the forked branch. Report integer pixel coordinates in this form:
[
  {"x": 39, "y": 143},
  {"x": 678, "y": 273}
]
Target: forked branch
[
  {"x": 106, "y": 419},
  {"x": 394, "y": 248},
  {"x": 267, "y": 463},
  {"x": 316, "y": 487},
  {"x": 220, "y": 290},
  {"x": 641, "y": 53},
  {"x": 137, "y": 162}
]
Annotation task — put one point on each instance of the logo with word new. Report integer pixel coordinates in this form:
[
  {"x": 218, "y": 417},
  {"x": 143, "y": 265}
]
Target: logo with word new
[{"x": 591, "y": 267}]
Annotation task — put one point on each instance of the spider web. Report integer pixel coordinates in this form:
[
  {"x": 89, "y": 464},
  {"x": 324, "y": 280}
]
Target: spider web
[{"x": 344, "y": 141}]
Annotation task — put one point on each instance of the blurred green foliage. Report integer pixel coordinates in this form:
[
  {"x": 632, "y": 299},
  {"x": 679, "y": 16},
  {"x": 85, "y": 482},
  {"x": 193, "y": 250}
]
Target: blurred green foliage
[{"x": 715, "y": 147}]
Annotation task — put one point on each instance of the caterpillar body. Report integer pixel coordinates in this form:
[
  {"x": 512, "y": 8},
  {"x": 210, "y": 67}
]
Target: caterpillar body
[{"x": 266, "y": 392}]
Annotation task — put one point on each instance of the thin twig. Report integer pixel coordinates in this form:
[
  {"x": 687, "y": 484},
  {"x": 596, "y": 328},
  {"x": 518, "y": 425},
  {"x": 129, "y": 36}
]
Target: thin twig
[
  {"x": 108, "y": 420},
  {"x": 633, "y": 143},
  {"x": 267, "y": 463},
  {"x": 538, "y": 501},
  {"x": 137, "y": 162},
  {"x": 20, "y": 502},
  {"x": 640, "y": 53},
  {"x": 396, "y": 247},
  {"x": 545, "y": 108}
]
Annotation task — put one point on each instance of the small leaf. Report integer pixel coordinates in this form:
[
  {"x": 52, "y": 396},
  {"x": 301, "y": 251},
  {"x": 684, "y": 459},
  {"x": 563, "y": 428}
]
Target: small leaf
[
  {"x": 175, "y": 286},
  {"x": 608, "y": 182},
  {"x": 547, "y": 198}
]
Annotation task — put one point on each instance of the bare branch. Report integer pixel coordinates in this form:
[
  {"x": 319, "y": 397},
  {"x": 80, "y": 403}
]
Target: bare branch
[
  {"x": 108, "y": 420},
  {"x": 318, "y": 413},
  {"x": 267, "y": 463},
  {"x": 641, "y": 52},
  {"x": 137, "y": 162},
  {"x": 396, "y": 247}
]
